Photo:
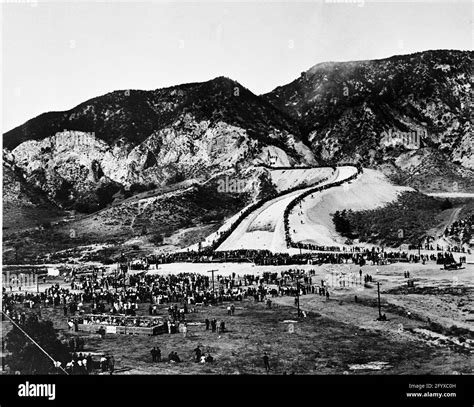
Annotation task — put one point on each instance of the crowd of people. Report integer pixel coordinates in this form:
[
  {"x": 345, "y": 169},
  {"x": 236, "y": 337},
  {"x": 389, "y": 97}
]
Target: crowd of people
[
  {"x": 322, "y": 254},
  {"x": 51, "y": 296},
  {"x": 113, "y": 302},
  {"x": 173, "y": 357},
  {"x": 84, "y": 364},
  {"x": 461, "y": 229},
  {"x": 115, "y": 321}
]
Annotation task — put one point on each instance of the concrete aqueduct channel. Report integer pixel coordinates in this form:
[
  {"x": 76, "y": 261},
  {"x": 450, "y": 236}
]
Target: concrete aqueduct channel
[{"x": 264, "y": 228}]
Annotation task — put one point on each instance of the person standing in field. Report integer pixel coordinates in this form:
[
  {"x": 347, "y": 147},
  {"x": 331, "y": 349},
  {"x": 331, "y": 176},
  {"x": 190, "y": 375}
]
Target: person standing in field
[
  {"x": 266, "y": 362},
  {"x": 198, "y": 353},
  {"x": 111, "y": 364}
]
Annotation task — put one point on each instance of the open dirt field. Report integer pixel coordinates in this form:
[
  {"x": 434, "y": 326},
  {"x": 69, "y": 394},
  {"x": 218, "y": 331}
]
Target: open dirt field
[{"x": 338, "y": 335}]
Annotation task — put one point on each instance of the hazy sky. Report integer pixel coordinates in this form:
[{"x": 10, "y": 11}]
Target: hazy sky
[{"x": 57, "y": 55}]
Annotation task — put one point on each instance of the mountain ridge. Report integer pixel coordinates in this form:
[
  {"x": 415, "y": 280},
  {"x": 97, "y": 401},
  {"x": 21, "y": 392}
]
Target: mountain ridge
[
  {"x": 334, "y": 112},
  {"x": 83, "y": 157},
  {"x": 346, "y": 108},
  {"x": 145, "y": 105}
]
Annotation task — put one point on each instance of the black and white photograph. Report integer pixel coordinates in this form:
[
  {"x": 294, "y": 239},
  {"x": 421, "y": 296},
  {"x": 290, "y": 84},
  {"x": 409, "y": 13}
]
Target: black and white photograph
[{"x": 237, "y": 188}]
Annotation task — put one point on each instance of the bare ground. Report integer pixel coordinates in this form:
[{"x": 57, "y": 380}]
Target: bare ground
[{"x": 338, "y": 336}]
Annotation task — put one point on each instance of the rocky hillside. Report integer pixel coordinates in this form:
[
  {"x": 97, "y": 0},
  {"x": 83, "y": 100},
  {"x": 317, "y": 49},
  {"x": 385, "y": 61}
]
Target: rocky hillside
[
  {"x": 408, "y": 115},
  {"x": 24, "y": 205},
  {"x": 150, "y": 162},
  {"x": 136, "y": 140}
]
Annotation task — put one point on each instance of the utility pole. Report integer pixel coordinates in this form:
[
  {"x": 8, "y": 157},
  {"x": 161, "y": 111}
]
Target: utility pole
[
  {"x": 115, "y": 279},
  {"x": 125, "y": 269},
  {"x": 3, "y": 356},
  {"x": 298, "y": 296},
  {"x": 378, "y": 293},
  {"x": 212, "y": 271}
]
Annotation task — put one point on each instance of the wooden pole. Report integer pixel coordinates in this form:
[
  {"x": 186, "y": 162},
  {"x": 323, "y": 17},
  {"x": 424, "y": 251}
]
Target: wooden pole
[
  {"x": 298, "y": 296},
  {"x": 124, "y": 273},
  {"x": 378, "y": 293},
  {"x": 212, "y": 271}
]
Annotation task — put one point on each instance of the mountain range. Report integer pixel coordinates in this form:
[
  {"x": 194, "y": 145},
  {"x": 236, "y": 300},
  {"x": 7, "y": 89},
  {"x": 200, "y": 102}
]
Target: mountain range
[
  {"x": 345, "y": 108},
  {"x": 112, "y": 147},
  {"x": 150, "y": 138}
]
